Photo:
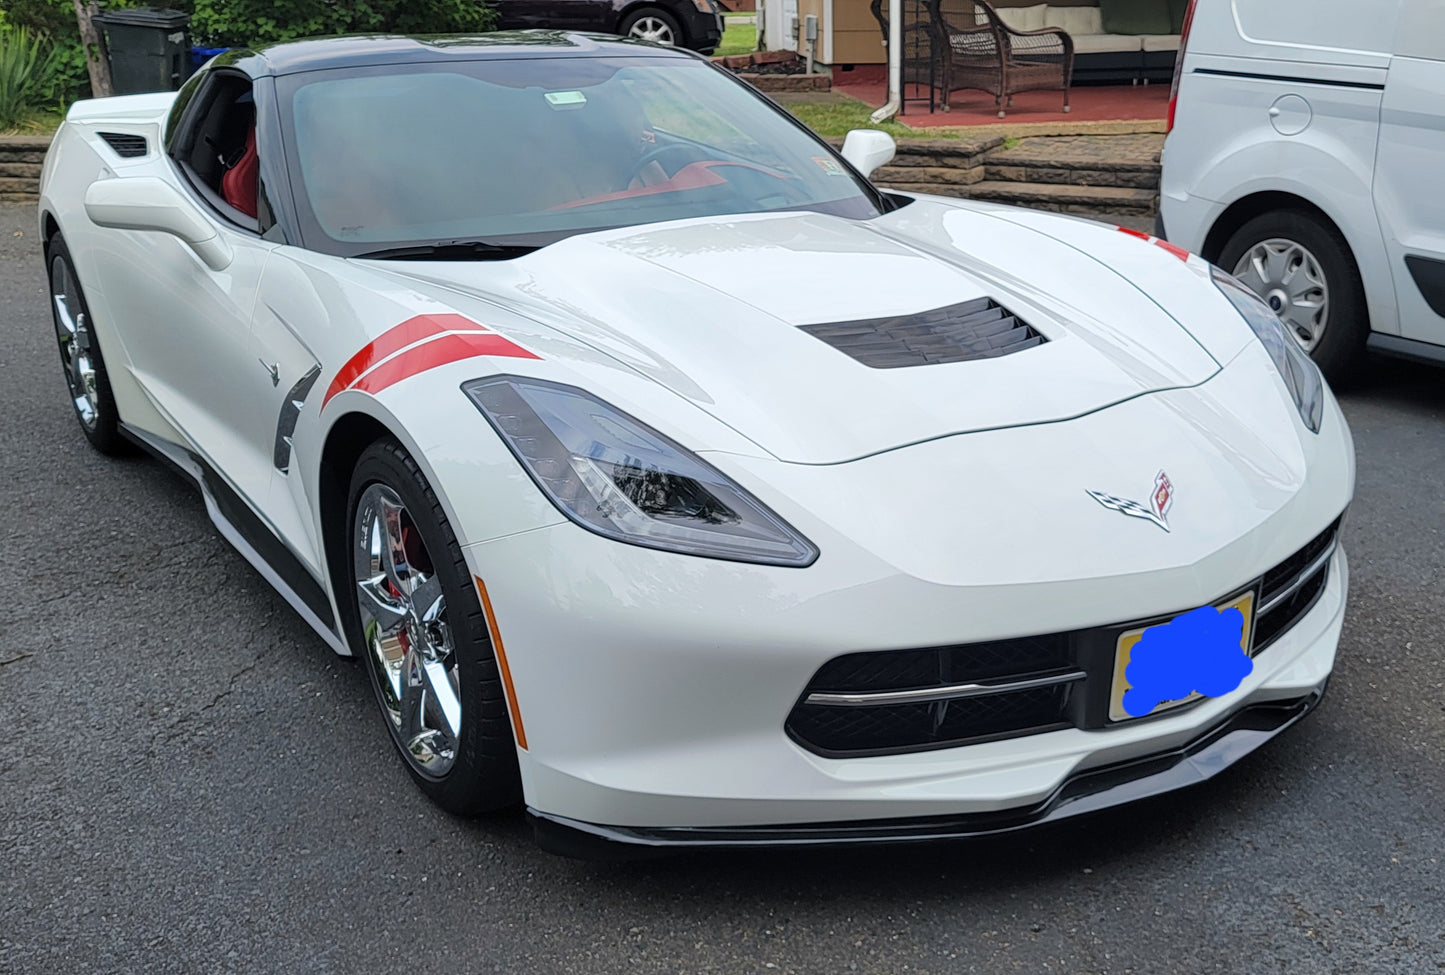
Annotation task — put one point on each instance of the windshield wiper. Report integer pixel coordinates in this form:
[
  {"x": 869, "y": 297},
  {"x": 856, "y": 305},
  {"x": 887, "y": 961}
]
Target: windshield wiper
[{"x": 451, "y": 250}]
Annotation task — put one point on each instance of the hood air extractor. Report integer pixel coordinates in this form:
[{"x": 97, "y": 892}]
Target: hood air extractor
[{"x": 978, "y": 329}]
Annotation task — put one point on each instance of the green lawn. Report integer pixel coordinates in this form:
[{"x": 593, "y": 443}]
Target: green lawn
[
  {"x": 37, "y": 122},
  {"x": 737, "y": 38},
  {"x": 838, "y": 117}
]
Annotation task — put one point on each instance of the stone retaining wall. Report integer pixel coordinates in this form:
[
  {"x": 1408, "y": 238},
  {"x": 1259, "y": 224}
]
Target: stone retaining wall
[
  {"x": 21, "y": 157},
  {"x": 943, "y": 166}
]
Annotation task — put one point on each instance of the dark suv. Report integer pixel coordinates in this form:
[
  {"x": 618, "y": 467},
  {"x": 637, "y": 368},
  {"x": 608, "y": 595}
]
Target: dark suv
[{"x": 694, "y": 24}]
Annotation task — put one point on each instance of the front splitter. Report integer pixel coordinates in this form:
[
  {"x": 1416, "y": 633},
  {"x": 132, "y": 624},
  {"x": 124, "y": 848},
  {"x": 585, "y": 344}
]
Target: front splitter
[{"x": 1086, "y": 792}]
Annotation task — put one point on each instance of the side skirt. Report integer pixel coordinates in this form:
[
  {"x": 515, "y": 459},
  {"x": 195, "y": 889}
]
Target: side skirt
[
  {"x": 238, "y": 525},
  {"x": 1412, "y": 349}
]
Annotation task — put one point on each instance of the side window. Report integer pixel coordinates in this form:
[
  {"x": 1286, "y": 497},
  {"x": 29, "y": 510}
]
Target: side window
[
  {"x": 1340, "y": 25},
  {"x": 216, "y": 149},
  {"x": 1422, "y": 30}
]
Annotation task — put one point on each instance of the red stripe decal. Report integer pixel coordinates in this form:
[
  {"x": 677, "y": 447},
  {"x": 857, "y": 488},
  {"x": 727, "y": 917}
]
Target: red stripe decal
[
  {"x": 438, "y": 352},
  {"x": 1174, "y": 249},
  {"x": 1177, "y": 251},
  {"x": 390, "y": 341}
]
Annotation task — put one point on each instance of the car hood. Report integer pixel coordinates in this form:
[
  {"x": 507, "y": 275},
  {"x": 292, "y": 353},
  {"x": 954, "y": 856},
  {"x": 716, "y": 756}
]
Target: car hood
[{"x": 713, "y": 310}]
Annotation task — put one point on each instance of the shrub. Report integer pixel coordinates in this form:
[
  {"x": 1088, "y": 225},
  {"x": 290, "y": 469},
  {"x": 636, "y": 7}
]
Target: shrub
[
  {"x": 236, "y": 23},
  {"x": 27, "y": 67}
]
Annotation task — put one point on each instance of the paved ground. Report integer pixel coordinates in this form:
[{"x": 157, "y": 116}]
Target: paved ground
[{"x": 190, "y": 782}]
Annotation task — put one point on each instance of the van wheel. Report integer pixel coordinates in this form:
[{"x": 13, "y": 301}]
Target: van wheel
[{"x": 1303, "y": 269}]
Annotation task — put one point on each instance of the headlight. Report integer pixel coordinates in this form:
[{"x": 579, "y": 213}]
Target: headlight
[
  {"x": 1298, "y": 370},
  {"x": 620, "y": 478}
]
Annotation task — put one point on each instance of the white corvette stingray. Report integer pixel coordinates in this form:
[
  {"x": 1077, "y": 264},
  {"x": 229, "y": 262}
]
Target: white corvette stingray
[{"x": 674, "y": 481}]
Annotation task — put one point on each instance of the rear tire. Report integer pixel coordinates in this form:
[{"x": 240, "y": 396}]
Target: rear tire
[
  {"x": 1305, "y": 260},
  {"x": 412, "y": 614},
  {"x": 653, "y": 24},
  {"x": 86, "y": 378}
]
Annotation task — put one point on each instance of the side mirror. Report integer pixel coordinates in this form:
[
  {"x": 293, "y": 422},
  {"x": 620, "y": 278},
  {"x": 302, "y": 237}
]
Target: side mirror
[
  {"x": 148, "y": 203},
  {"x": 867, "y": 149}
]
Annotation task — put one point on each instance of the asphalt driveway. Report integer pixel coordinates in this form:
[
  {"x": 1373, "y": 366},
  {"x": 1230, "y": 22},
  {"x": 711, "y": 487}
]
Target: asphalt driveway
[{"x": 191, "y": 782}]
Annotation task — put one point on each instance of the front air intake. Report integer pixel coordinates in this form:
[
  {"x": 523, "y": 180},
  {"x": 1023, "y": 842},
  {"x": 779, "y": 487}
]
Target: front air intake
[{"x": 978, "y": 329}]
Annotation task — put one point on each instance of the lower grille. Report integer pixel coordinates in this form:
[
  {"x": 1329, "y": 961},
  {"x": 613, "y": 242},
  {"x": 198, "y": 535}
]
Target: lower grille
[
  {"x": 935, "y": 724},
  {"x": 892, "y": 701}
]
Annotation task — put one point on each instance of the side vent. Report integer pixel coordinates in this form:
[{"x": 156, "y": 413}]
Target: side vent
[
  {"x": 125, "y": 144},
  {"x": 978, "y": 329}
]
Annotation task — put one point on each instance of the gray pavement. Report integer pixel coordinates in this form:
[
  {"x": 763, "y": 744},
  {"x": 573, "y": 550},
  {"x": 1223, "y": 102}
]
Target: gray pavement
[{"x": 191, "y": 782}]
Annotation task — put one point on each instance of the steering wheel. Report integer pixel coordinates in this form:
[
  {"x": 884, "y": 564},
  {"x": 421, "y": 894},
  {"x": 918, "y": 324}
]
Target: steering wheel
[{"x": 653, "y": 155}]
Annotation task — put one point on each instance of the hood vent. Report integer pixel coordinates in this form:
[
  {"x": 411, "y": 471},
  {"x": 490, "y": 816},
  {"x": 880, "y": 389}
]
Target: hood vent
[
  {"x": 978, "y": 329},
  {"x": 125, "y": 144}
]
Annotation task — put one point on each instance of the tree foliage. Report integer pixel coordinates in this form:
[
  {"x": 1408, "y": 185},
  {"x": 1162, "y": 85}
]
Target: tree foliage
[{"x": 234, "y": 23}]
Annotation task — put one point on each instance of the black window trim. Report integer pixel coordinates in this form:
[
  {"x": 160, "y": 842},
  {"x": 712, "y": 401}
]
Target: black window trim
[{"x": 182, "y": 141}]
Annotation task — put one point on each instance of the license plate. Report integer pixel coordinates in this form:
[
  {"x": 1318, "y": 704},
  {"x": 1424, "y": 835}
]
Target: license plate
[{"x": 1197, "y": 653}]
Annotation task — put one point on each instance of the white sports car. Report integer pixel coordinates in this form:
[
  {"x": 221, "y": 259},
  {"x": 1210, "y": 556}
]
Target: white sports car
[{"x": 669, "y": 477}]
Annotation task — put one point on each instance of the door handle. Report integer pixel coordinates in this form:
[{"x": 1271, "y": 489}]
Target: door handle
[{"x": 274, "y": 368}]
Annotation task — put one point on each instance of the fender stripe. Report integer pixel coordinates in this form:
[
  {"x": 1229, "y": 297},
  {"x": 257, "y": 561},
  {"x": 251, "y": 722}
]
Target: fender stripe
[
  {"x": 1174, "y": 249},
  {"x": 449, "y": 348},
  {"x": 375, "y": 356},
  {"x": 501, "y": 655}
]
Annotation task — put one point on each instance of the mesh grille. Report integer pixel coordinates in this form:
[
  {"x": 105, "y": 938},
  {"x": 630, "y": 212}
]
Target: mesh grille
[
  {"x": 125, "y": 144},
  {"x": 901, "y": 727},
  {"x": 1277, "y": 622},
  {"x": 843, "y": 731},
  {"x": 1282, "y": 575},
  {"x": 978, "y": 329}
]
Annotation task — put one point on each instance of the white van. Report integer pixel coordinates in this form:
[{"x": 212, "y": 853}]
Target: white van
[{"x": 1306, "y": 154}]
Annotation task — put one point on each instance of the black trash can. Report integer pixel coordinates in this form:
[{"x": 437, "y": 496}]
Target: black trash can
[{"x": 148, "y": 49}]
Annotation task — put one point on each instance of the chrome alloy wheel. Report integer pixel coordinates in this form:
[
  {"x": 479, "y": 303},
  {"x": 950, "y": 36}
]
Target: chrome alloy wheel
[
  {"x": 404, "y": 624},
  {"x": 1288, "y": 277},
  {"x": 72, "y": 330},
  {"x": 652, "y": 29}
]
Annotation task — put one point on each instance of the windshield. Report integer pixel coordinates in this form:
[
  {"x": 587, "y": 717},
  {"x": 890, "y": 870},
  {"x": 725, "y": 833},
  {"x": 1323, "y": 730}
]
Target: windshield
[{"x": 530, "y": 151}]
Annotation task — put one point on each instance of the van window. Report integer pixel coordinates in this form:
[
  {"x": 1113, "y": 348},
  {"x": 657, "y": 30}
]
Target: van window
[
  {"x": 1422, "y": 30},
  {"x": 1343, "y": 25}
]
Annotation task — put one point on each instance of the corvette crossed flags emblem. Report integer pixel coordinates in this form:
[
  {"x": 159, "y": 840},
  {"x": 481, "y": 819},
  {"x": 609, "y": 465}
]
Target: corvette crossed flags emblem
[{"x": 1156, "y": 511}]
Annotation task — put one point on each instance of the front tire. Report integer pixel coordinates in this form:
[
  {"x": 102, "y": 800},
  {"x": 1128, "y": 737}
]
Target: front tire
[
  {"x": 80, "y": 357},
  {"x": 413, "y": 616},
  {"x": 1303, "y": 268},
  {"x": 652, "y": 24}
]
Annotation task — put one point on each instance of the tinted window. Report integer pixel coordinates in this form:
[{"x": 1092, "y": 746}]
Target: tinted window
[{"x": 535, "y": 150}]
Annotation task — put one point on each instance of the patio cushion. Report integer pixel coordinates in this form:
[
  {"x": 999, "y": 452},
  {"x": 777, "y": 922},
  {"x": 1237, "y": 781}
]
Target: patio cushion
[
  {"x": 1022, "y": 18},
  {"x": 1160, "y": 42},
  {"x": 1078, "y": 21},
  {"x": 1135, "y": 16},
  {"x": 1107, "y": 44}
]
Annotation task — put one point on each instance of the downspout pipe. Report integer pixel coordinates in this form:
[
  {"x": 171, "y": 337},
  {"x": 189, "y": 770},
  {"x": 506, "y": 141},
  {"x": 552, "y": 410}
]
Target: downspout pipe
[{"x": 895, "y": 64}]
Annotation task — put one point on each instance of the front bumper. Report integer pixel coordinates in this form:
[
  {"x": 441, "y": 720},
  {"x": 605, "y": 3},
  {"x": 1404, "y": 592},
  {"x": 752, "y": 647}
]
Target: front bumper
[
  {"x": 1090, "y": 791},
  {"x": 704, "y": 29},
  {"x": 654, "y": 688}
]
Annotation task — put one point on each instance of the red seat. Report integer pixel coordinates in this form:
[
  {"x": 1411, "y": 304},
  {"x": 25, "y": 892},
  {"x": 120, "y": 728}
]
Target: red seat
[{"x": 238, "y": 185}]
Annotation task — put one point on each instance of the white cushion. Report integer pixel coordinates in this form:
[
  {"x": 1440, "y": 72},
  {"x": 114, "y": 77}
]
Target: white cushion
[
  {"x": 1107, "y": 44},
  {"x": 1161, "y": 42},
  {"x": 1020, "y": 18},
  {"x": 1078, "y": 21}
]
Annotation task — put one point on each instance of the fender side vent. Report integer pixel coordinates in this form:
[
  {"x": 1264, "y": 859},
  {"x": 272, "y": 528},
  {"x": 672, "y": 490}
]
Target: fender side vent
[
  {"x": 125, "y": 144},
  {"x": 978, "y": 329}
]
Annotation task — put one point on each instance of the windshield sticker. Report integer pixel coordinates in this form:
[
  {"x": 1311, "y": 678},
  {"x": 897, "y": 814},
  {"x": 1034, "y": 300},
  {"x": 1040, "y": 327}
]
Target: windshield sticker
[
  {"x": 829, "y": 166},
  {"x": 565, "y": 99}
]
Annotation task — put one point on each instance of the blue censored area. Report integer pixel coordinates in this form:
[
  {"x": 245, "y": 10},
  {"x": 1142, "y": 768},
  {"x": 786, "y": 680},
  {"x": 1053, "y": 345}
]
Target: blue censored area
[{"x": 1199, "y": 651}]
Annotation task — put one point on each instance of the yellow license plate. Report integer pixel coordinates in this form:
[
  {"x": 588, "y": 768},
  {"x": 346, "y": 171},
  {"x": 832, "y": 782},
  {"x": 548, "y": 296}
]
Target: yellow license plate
[{"x": 1128, "y": 641}]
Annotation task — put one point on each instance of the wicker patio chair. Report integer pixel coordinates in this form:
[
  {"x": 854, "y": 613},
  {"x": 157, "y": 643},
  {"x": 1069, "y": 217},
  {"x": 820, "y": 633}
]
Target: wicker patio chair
[{"x": 991, "y": 56}]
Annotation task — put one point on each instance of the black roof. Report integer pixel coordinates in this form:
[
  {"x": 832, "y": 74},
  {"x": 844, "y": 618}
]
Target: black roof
[{"x": 358, "y": 50}]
